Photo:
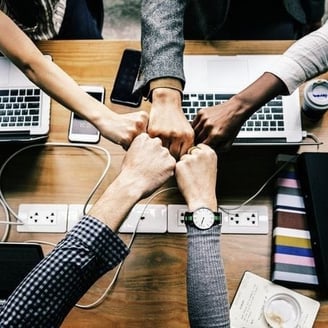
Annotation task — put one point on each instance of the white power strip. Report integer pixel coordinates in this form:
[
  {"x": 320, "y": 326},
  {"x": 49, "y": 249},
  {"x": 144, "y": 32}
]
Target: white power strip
[
  {"x": 75, "y": 213},
  {"x": 153, "y": 219},
  {"x": 250, "y": 219},
  {"x": 42, "y": 217}
]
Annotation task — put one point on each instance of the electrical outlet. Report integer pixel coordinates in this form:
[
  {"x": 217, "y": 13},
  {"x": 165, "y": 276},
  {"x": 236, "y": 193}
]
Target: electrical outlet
[
  {"x": 75, "y": 213},
  {"x": 153, "y": 220},
  {"x": 42, "y": 217},
  {"x": 249, "y": 219},
  {"x": 175, "y": 215},
  {"x": 244, "y": 218}
]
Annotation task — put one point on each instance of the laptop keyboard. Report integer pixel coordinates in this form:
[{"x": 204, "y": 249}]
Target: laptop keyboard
[
  {"x": 267, "y": 118},
  {"x": 20, "y": 107}
]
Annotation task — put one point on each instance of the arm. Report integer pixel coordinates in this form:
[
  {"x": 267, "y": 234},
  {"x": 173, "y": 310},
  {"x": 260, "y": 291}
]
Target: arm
[
  {"x": 91, "y": 248},
  {"x": 162, "y": 41},
  {"x": 303, "y": 60},
  {"x": 161, "y": 73},
  {"x": 208, "y": 303},
  {"x": 168, "y": 122},
  {"x": 54, "y": 81},
  {"x": 217, "y": 126}
]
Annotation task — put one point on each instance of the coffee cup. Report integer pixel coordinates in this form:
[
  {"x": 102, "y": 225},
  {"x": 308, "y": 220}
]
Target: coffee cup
[{"x": 315, "y": 99}]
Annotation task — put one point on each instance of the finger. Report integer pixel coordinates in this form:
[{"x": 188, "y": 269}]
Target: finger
[
  {"x": 174, "y": 151},
  {"x": 165, "y": 141},
  {"x": 201, "y": 135},
  {"x": 192, "y": 149},
  {"x": 196, "y": 120}
]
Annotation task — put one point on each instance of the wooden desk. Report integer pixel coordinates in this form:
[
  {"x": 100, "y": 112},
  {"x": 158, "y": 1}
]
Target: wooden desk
[{"x": 150, "y": 291}]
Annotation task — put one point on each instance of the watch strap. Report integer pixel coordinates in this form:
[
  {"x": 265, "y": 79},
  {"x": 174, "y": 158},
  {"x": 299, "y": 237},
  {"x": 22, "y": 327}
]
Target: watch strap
[{"x": 188, "y": 218}]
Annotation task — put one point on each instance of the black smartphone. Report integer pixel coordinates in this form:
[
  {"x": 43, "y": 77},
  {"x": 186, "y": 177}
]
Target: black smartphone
[
  {"x": 81, "y": 130},
  {"x": 16, "y": 261},
  {"x": 122, "y": 92}
]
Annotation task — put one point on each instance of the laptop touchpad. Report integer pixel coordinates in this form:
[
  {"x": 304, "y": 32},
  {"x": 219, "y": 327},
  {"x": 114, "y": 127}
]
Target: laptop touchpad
[{"x": 230, "y": 74}]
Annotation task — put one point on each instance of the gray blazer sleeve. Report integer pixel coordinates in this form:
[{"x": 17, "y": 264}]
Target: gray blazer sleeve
[{"x": 162, "y": 41}]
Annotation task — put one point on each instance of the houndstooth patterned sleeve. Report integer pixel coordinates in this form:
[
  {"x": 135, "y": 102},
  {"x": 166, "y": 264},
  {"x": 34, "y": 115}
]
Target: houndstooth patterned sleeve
[{"x": 55, "y": 285}]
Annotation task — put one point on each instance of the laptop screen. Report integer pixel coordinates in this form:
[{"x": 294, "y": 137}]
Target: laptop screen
[{"x": 16, "y": 261}]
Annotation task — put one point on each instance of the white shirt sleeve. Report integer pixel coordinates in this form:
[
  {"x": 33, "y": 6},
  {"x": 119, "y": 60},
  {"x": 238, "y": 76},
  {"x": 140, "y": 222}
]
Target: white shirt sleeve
[{"x": 305, "y": 59}]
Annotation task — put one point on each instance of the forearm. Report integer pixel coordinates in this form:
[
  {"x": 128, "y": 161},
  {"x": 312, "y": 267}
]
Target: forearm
[
  {"x": 262, "y": 90},
  {"x": 162, "y": 41},
  {"x": 50, "y": 291},
  {"x": 305, "y": 59},
  {"x": 61, "y": 87},
  {"x": 120, "y": 189},
  {"x": 46, "y": 74},
  {"x": 208, "y": 304}
]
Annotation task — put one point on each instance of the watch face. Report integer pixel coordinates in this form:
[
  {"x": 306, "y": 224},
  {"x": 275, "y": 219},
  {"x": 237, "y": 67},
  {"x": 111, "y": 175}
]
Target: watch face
[{"x": 203, "y": 218}]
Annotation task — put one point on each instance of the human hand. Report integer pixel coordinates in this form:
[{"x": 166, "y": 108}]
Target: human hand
[
  {"x": 196, "y": 175},
  {"x": 123, "y": 128},
  {"x": 147, "y": 165},
  {"x": 217, "y": 126},
  {"x": 168, "y": 122}
]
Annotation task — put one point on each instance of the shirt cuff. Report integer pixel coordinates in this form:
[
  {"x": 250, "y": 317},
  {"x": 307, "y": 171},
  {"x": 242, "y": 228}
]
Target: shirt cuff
[
  {"x": 213, "y": 231},
  {"x": 168, "y": 82},
  {"x": 100, "y": 239},
  {"x": 289, "y": 71}
]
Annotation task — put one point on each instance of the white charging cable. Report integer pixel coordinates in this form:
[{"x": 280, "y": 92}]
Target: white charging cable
[
  {"x": 5, "y": 204},
  {"x": 111, "y": 284}
]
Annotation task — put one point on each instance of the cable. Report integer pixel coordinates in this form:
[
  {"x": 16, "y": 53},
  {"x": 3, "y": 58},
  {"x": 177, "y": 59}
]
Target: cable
[
  {"x": 314, "y": 138},
  {"x": 6, "y": 232},
  {"x": 111, "y": 284},
  {"x": 52, "y": 144},
  {"x": 41, "y": 242},
  {"x": 227, "y": 210},
  {"x": 305, "y": 134},
  {"x": 109, "y": 287}
]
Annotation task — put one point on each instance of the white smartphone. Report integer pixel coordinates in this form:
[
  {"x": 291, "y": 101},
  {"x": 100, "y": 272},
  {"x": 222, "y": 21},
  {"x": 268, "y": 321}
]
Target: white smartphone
[{"x": 81, "y": 130}]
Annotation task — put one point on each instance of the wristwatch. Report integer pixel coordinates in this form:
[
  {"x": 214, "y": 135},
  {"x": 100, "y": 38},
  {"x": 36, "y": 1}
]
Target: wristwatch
[{"x": 202, "y": 218}]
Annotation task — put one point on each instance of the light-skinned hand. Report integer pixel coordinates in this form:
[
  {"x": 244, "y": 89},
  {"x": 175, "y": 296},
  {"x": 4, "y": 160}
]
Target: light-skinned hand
[
  {"x": 122, "y": 128},
  {"x": 196, "y": 175},
  {"x": 147, "y": 164},
  {"x": 168, "y": 122}
]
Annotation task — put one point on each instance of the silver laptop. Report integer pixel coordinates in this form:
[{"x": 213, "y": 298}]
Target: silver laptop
[
  {"x": 24, "y": 108},
  {"x": 212, "y": 79}
]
